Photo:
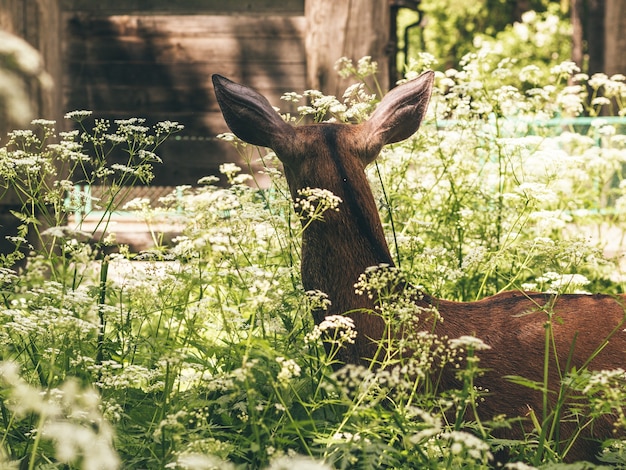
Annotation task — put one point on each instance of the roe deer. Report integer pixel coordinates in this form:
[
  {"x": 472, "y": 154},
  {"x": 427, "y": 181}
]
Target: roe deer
[{"x": 337, "y": 250}]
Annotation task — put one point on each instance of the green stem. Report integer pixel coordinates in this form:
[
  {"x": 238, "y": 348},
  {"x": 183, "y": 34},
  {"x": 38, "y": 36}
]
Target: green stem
[{"x": 104, "y": 270}]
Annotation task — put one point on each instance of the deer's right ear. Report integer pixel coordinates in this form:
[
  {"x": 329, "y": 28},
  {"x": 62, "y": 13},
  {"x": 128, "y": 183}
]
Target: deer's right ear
[
  {"x": 248, "y": 114},
  {"x": 401, "y": 111}
]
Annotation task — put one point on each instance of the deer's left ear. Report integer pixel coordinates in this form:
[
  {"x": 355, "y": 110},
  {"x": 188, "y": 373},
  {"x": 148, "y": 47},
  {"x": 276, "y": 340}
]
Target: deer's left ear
[
  {"x": 249, "y": 115},
  {"x": 401, "y": 111}
]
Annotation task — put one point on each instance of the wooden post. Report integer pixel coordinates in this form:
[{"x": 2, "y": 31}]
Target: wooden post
[
  {"x": 38, "y": 22},
  {"x": 576, "y": 16},
  {"x": 345, "y": 28},
  {"x": 614, "y": 38},
  {"x": 595, "y": 32}
]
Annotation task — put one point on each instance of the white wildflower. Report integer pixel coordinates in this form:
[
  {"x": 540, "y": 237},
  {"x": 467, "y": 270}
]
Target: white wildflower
[
  {"x": 469, "y": 342},
  {"x": 227, "y": 137},
  {"x": 168, "y": 127},
  {"x": 366, "y": 66},
  {"x": 291, "y": 96},
  {"x": 197, "y": 461},
  {"x": 299, "y": 462},
  {"x": 43, "y": 122},
  {"x": 318, "y": 300},
  {"x": 337, "y": 327},
  {"x": 78, "y": 115},
  {"x": 600, "y": 101},
  {"x": 229, "y": 169},
  {"x": 461, "y": 442},
  {"x": 597, "y": 80},
  {"x": 567, "y": 67},
  {"x": 288, "y": 370},
  {"x": 311, "y": 203}
]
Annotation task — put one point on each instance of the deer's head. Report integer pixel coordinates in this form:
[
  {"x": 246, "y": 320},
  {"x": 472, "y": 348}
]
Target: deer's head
[{"x": 324, "y": 155}]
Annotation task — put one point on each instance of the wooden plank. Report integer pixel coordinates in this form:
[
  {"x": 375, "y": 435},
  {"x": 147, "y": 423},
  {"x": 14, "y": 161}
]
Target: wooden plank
[
  {"x": 91, "y": 27},
  {"x": 100, "y": 97},
  {"x": 159, "y": 67},
  {"x": 186, "y": 161},
  {"x": 190, "y": 50},
  {"x": 196, "y": 76},
  {"x": 191, "y": 7},
  {"x": 183, "y": 74}
]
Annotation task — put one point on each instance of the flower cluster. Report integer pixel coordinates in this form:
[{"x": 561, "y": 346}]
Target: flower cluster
[
  {"x": 338, "y": 329},
  {"x": 288, "y": 370},
  {"x": 356, "y": 104},
  {"x": 555, "y": 283},
  {"x": 68, "y": 416},
  {"x": 607, "y": 392},
  {"x": 469, "y": 342},
  {"x": 312, "y": 203},
  {"x": 379, "y": 280}
]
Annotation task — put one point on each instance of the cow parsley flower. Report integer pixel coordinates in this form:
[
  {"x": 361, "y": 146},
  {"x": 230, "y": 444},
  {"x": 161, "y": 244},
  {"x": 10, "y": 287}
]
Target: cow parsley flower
[
  {"x": 78, "y": 116},
  {"x": 288, "y": 370},
  {"x": 469, "y": 342},
  {"x": 567, "y": 67},
  {"x": 340, "y": 327},
  {"x": 311, "y": 203}
]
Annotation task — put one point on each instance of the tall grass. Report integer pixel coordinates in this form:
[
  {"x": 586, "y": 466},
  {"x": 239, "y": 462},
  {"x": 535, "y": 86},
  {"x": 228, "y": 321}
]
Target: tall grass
[{"x": 204, "y": 355}]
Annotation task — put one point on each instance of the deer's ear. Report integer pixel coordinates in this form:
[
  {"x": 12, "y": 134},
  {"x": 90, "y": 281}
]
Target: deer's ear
[
  {"x": 248, "y": 114},
  {"x": 401, "y": 111}
]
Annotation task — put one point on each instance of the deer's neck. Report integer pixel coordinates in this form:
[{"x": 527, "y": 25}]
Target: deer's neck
[{"x": 338, "y": 249}]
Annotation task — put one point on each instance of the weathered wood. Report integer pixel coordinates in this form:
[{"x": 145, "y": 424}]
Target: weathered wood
[
  {"x": 38, "y": 23},
  {"x": 338, "y": 29},
  {"x": 195, "y": 76},
  {"x": 187, "y": 26},
  {"x": 576, "y": 18},
  {"x": 595, "y": 34},
  {"x": 155, "y": 97},
  {"x": 112, "y": 7},
  {"x": 214, "y": 49},
  {"x": 159, "y": 67},
  {"x": 615, "y": 37},
  {"x": 209, "y": 154}
]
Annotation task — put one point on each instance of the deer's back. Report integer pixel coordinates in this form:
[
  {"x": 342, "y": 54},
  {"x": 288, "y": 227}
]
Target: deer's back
[{"x": 514, "y": 325}]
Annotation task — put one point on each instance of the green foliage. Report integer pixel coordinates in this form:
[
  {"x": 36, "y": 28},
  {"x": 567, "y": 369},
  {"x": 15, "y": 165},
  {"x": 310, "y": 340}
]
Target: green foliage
[
  {"x": 204, "y": 354},
  {"x": 451, "y": 29},
  {"x": 533, "y": 45},
  {"x": 499, "y": 187}
]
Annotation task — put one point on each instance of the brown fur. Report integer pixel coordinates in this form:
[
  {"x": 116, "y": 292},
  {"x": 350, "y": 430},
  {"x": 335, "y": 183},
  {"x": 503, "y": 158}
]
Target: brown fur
[{"x": 336, "y": 251}]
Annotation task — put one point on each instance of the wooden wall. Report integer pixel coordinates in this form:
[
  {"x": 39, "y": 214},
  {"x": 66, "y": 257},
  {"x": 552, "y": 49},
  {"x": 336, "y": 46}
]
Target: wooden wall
[
  {"x": 38, "y": 23},
  {"x": 155, "y": 59}
]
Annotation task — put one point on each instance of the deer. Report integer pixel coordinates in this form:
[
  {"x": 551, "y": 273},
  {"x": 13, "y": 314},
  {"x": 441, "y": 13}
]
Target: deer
[{"x": 338, "y": 249}]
